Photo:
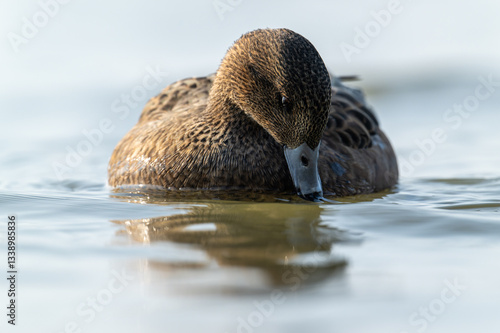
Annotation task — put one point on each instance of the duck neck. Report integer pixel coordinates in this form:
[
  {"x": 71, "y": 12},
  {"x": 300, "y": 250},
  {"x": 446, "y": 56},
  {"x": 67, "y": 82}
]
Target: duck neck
[{"x": 222, "y": 113}]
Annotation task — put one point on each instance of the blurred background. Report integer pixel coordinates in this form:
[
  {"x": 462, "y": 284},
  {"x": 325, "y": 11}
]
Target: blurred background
[{"x": 74, "y": 76}]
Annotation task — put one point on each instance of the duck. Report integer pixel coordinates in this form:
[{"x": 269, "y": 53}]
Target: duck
[{"x": 272, "y": 118}]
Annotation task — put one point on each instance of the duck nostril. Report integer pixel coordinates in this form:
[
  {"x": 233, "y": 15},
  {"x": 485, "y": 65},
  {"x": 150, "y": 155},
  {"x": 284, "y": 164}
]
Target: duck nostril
[{"x": 304, "y": 160}]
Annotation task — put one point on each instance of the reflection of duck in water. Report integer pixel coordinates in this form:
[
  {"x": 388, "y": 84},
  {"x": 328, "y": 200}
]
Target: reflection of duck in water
[
  {"x": 285, "y": 241},
  {"x": 271, "y": 94}
]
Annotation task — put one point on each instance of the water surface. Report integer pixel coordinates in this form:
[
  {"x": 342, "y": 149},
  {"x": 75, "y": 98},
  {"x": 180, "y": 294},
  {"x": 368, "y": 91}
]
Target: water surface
[{"x": 418, "y": 257}]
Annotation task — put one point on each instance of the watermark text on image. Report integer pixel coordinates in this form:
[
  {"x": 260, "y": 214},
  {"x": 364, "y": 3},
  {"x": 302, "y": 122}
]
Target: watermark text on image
[
  {"x": 372, "y": 29},
  {"x": 12, "y": 271},
  {"x": 453, "y": 117},
  {"x": 429, "y": 313},
  {"x": 30, "y": 27},
  {"x": 120, "y": 108},
  {"x": 88, "y": 310},
  {"x": 293, "y": 278},
  {"x": 224, "y": 6}
]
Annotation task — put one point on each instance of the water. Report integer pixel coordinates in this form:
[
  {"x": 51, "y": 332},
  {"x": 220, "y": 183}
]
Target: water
[
  {"x": 420, "y": 257},
  {"x": 264, "y": 263}
]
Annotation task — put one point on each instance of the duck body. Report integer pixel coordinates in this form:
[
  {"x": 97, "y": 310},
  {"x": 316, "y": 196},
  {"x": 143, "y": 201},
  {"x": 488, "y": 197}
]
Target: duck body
[{"x": 229, "y": 130}]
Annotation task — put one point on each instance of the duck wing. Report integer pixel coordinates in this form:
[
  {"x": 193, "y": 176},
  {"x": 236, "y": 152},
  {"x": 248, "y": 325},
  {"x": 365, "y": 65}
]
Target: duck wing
[
  {"x": 356, "y": 156},
  {"x": 351, "y": 121},
  {"x": 188, "y": 94}
]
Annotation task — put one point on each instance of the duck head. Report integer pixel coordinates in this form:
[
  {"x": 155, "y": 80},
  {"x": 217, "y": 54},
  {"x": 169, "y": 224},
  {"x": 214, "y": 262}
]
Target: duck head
[{"x": 278, "y": 79}]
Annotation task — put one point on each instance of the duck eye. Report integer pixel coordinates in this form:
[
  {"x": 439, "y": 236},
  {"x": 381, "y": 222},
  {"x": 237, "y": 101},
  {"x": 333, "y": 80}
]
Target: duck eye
[{"x": 286, "y": 104}]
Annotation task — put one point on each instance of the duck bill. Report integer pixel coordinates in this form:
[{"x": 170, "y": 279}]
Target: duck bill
[{"x": 303, "y": 165}]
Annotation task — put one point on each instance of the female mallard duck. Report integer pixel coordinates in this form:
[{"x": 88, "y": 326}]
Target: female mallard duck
[{"x": 271, "y": 94}]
